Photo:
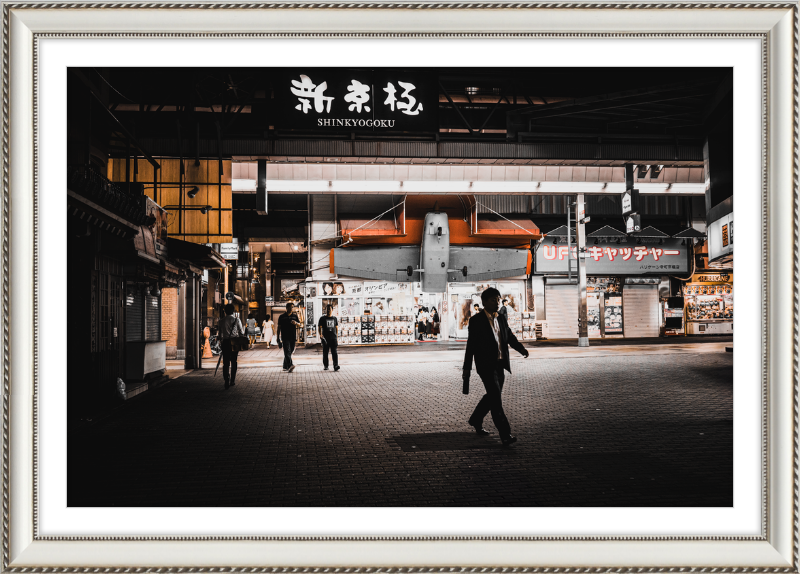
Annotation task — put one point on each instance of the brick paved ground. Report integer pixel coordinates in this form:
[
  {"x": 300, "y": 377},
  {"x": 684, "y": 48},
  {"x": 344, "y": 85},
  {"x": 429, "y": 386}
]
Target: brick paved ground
[{"x": 619, "y": 429}]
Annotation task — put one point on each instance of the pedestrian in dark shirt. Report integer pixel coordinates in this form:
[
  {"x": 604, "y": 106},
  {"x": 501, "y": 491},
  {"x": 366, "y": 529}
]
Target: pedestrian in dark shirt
[
  {"x": 503, "y": 309},
  {"x": 434, "y": 325},
  {"x": 229, "y": 327},
  {"x": 328, "y": 326},
  {"x": 287, "y": 336},
  {"x": 488, "y": 342}
]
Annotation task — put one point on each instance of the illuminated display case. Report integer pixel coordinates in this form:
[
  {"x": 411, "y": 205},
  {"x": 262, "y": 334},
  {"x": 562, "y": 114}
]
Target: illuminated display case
[
  {"x": 368, "y": 312},
  {"x": 708, "y": 308}
]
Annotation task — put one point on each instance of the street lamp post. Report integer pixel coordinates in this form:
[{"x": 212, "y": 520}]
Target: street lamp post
[{"x": 580, "y": 228}]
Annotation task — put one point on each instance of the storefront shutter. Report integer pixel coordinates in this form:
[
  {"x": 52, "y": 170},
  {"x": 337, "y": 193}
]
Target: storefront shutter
[
  {"x": 153, "y": 310},
  {"x": 640, "y": 310},
  {"x": 134, "y": 309},
  {"x": 561, "y": 305}
]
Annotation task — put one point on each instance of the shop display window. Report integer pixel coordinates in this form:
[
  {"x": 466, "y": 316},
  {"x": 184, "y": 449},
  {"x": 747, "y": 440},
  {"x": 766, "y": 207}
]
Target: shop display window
[{"x": 709, "y": 302}]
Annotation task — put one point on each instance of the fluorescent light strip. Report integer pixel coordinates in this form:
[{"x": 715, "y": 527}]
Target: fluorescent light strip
[
  {"x": 476, "y": 187},
  {"x": 243, "y": 185}
]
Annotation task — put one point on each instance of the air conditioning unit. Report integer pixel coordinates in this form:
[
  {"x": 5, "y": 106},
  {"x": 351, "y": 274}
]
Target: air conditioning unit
[{"x": 542, "y": 331}]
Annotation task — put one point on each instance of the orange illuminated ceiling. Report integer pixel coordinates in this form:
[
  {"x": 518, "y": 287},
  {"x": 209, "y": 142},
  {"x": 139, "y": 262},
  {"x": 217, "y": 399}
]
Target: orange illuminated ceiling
[{"x": 466, "y": 228}]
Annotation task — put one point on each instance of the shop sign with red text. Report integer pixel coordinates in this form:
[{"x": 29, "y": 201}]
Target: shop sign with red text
[{"x": 624, "y": 258}]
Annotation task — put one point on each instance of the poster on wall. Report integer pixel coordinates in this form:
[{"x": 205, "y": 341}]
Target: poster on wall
[
  {"x": 310, "y": 313},
  {"x": 400, "y": 304},
  {"x": 613, "y": 314},
  {"x": 333, "y": 289},
  {"x": 593, "y": 315},
  {"x": 371, "y": 288},
  {"x": 350, "y": 307}
]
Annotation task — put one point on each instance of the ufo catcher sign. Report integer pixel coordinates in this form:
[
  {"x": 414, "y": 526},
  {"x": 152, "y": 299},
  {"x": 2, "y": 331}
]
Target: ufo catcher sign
[
  {"x": 336, "y": 99},
  {"x": 628, "y": 258}
]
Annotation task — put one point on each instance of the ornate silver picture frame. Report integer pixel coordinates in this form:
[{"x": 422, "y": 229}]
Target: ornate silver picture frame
[{"x": 775, "y": 549}]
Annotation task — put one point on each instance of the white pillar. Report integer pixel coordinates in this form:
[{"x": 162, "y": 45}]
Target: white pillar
[{"x": 580, "y": 227}]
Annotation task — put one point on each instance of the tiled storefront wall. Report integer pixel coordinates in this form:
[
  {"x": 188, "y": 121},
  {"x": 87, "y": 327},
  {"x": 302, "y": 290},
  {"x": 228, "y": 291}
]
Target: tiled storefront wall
[{"x": 169, "y": 320}]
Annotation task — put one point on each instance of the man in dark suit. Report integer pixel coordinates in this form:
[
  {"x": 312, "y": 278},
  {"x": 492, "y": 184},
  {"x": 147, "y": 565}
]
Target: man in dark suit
[{"x": 488, "y": 341}]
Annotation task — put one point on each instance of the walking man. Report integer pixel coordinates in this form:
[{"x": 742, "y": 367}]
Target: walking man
[
  {"x": 229, "y": 327},
  {"x": 503, "y": 310},
  {"x": 328, "y": 328},
  {"x": 287, "y": 335},
  {"x": 488, "y": 341}
]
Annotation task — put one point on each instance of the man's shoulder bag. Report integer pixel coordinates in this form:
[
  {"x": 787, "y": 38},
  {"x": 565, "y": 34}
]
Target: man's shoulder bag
[{"x": 240, "y": 342}]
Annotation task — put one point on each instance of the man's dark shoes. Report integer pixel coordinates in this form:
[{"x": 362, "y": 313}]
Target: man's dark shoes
[
  {"x": 480, "y": 430},
  {"x": 227, "y": 384},
  {"x": 325, "y": 368},
  {"x": 509, "y": 440},
  {"x": 336, "y": 368}
]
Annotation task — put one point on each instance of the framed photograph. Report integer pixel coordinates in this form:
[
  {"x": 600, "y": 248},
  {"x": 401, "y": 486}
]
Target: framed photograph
[{"x": 646, "y": 95}]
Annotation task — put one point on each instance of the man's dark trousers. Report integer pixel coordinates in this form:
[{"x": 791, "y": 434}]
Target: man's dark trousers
[
  {"x": 229, "y": 360},
  {"x": 333, "y": 345},
  {"x": 288, "y": 349},
  {"x": 492, "y": 401}
]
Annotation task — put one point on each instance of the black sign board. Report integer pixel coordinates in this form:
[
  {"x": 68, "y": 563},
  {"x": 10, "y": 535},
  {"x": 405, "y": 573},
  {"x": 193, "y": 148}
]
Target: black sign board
[
  {"x": 355, "y": 100},
  {"x": 633, "y": 223}
]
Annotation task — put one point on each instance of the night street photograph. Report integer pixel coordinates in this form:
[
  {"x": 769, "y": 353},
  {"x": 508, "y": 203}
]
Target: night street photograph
[{"x": 399, "y": 287}]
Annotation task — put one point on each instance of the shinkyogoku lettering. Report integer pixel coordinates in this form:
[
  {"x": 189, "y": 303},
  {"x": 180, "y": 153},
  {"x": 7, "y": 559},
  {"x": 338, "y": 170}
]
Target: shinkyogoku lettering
[{"x": 354, "y": 123}]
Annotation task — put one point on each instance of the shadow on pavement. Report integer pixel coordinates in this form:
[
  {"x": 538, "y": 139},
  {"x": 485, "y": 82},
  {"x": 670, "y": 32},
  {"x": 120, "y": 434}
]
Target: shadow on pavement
[{"x": 439, "y": 441}]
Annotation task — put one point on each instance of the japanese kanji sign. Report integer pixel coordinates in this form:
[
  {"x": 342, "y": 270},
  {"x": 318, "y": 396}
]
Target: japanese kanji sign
[
  {"x": 625, "y": 258},
  {"x": 340, "y": 99}
]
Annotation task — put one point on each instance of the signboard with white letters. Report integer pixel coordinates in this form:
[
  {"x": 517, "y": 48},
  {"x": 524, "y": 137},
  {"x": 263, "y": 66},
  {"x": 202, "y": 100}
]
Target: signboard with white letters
[
  {"x": 625, "y": 258},
  {"x": 627, "y": 204},
  {"x": 720, "y": 237},
  {"x": 229, "y": 250},
  {"x": 353, "y": 100}
]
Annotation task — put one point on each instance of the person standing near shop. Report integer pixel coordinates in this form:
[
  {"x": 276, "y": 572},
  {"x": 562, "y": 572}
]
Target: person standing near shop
[
  {"x": 229, "y": 327},
  {"x": 328, "y": 331},
  {"x": 435, "y": 323},
  {"x": 488, "y": 341},
  {"x": 422, "y": 325},
  {"x": 287, "y": 335}
]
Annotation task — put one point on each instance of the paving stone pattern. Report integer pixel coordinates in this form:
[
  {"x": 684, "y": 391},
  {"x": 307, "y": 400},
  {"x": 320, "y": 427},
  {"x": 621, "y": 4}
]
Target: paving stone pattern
[{"x": 625, "y": 430}]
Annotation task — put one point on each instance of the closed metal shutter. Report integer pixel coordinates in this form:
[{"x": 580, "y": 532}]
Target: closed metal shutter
[
  {"x": 134, "y": 308},
  {"x": 153, "y": 312},
  {"x": 640, "y": 310},
  {"x": 561, "y": 305},
  {"x": 503, "y": 203}
]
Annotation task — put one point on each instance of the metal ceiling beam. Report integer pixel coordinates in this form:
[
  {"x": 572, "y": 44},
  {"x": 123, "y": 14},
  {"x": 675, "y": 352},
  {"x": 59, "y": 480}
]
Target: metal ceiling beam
[
  {"x": 455, "y": 107},
  {"x": 612, "y": 97}
]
